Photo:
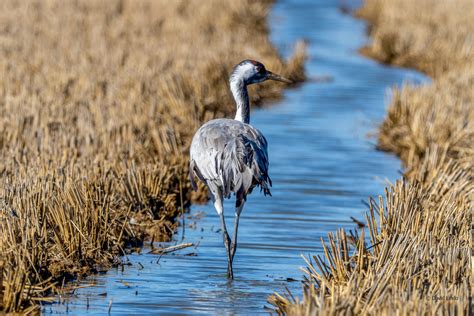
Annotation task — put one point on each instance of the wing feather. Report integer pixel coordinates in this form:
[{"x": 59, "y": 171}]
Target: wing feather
[{"x": 230, "y": 156}]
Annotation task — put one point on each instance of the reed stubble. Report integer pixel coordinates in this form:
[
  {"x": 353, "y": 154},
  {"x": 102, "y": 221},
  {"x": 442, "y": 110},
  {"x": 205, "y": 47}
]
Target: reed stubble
[
  {"x": 414, "y": 256},
  {"x": 99, "y": 101}
]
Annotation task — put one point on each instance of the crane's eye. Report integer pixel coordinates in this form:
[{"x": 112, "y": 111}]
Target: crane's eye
[{"x": 261, "y": 70}]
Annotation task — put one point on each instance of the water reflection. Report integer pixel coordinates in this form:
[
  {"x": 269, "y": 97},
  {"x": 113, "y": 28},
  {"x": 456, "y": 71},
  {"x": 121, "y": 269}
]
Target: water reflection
[{"x": 322, "y": 166}]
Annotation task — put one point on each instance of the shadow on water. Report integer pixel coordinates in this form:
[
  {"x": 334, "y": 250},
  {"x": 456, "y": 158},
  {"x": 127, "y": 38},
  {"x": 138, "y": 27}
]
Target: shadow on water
[{"x": 322, "y": 166}]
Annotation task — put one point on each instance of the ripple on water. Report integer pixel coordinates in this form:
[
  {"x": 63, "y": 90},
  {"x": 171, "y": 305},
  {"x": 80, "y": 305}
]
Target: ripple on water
[{"x": 322, "y": 166}]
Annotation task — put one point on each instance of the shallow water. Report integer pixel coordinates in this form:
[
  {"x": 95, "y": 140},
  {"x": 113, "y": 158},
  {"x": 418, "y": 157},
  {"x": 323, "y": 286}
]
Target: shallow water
[{"x": 322, "y": 165}]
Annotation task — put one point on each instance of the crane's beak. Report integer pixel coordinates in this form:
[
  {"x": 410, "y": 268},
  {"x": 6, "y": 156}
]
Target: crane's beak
[{"x": 272, "y": 76}]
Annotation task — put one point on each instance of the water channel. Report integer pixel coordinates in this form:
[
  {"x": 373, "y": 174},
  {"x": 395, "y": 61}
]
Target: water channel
[{"x": 322, "y": 164}]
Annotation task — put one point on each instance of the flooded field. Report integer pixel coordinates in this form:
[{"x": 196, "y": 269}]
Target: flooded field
[{"x": 322, "y": 164}]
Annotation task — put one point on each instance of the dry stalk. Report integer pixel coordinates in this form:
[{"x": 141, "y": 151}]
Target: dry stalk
[
  {"x": 416, "y": 256},
  {"x": 99, "y": 101}
]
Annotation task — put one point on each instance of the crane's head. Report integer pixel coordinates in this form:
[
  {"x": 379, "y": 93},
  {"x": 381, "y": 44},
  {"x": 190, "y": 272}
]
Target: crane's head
[{"x": 251, "y": 71}]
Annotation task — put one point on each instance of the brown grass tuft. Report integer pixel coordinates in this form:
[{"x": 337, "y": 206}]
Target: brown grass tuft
[
  {"x": 436, "y": 38},
  {"x": 414, "y": 257},
  {"x": 99, "y": 101}
]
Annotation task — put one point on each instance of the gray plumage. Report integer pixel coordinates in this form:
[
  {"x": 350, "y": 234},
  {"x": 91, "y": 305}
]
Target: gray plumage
[{"x": 230, "y": 156}]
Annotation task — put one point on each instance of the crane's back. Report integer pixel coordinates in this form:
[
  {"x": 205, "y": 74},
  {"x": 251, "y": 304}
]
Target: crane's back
[{"x": 230, "y": 156}]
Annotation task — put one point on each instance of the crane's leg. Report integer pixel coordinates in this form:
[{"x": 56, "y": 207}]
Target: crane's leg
[
  {"x": 239, "y": 205},
  {"x": 218, "y": 204}
]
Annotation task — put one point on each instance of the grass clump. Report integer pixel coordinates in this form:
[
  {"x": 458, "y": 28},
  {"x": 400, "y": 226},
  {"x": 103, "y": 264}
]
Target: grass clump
[
  {"x": 99, "y": 102},
  {"x": 414, "y": 255}
]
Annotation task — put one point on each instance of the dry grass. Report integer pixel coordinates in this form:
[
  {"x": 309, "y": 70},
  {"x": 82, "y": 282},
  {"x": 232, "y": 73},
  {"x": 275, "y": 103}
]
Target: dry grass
[
  {"x": 436, "y": 38},
  {"x": 99, "y": 100},
  {"x": 414, "y": 257}
]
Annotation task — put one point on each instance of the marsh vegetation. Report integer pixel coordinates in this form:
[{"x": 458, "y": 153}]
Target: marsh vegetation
[
  {"x": 414, "y": 255},
  {"x": 99, "y": 101}
]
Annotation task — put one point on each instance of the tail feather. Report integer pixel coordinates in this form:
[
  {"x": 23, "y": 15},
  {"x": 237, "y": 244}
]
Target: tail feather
[{"x": 243, "y": 154}]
